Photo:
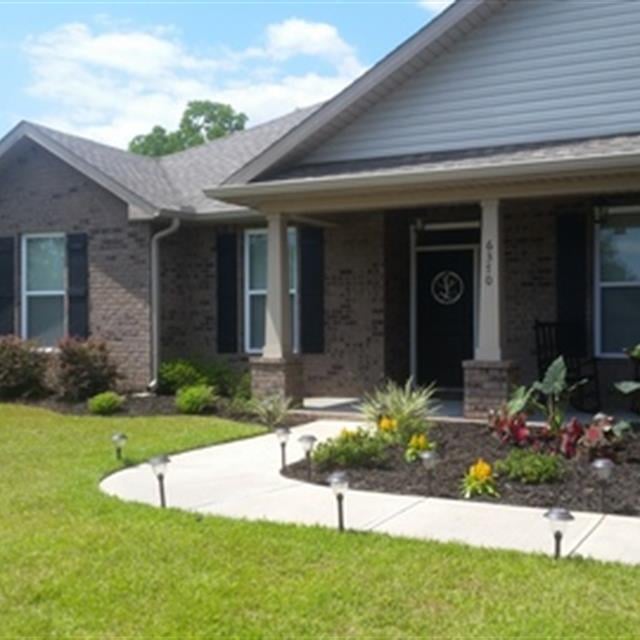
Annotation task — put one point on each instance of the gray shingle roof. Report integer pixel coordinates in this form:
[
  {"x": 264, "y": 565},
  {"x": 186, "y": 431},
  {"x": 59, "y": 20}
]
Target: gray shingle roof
[{"x": 176, "y": 182}]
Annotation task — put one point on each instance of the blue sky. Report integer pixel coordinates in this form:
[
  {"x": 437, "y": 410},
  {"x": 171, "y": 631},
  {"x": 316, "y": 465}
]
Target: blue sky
[{"x": 111, "y": 70}]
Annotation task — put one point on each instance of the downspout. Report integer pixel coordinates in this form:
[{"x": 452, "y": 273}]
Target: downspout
[{"x": 155, "y": 299}]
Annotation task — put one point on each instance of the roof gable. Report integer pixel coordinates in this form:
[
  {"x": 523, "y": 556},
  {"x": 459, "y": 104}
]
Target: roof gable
[
  {"x": 439, "y": 36},
  {"x": 169, "y": 184},
  {"x": 73, "y": 151},
  {"x": 484, "y": 74},
  {"x": 536, "y": 72}
]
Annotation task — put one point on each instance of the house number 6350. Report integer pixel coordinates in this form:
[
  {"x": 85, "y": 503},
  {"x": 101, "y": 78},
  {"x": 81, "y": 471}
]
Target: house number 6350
[{"x": 488, "y": 270}]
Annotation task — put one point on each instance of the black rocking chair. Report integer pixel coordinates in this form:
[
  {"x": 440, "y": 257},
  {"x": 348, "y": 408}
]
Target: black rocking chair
[{"x": 555, "y": 339}]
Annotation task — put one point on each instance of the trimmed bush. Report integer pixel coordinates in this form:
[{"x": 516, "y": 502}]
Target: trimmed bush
[
  {"x": 530, "y": 467},
  {"x": 359, "y": 448},
  {"x": 195, "y": 399},
  {"x": 22, "y": 368},
  {"x": 177, "y": 374},
  {"x": 105, "y": 404},
  {"x": 83, "y": 369}
]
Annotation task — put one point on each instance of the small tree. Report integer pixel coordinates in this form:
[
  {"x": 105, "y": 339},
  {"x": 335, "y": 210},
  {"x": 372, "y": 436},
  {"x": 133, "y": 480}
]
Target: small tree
[{"x": 201, "y": 121}]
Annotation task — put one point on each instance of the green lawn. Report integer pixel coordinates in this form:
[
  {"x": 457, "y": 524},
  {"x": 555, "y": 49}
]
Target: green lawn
[{"x": 77, "y": 563}]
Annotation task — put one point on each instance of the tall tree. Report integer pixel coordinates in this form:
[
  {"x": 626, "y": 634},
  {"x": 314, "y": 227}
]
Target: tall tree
[{"x": 201, "y": 121}]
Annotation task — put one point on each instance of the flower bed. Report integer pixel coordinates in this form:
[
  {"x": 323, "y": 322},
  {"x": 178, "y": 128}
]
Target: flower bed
[{"x": 459, "y": 446}]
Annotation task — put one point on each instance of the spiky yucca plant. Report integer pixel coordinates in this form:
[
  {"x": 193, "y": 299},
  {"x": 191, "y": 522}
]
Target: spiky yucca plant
[
  {"x": 271, "y": 410},
  {"x": 408, "y": 405}
]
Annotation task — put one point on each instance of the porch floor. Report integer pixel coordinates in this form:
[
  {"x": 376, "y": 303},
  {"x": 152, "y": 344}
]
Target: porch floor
[{"x": 449, "y": 410}]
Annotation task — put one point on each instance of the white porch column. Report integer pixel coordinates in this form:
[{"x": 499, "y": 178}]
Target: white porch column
[
  {"x": 278, "y": 321},
  {"x": 490, "y": 319}
]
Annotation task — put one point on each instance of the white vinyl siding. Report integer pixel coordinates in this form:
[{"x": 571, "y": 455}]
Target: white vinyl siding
[{"x": 536, "y": 70}]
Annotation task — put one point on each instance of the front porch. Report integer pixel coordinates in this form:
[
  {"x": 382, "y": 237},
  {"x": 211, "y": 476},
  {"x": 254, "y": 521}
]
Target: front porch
[
  {"x": 449, "y": 410},
  {"x": 449, "y": 293}
]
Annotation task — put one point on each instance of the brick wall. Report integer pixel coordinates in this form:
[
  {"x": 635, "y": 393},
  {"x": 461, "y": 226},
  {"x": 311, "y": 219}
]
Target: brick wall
[
  {"x": 529, "y": 273},
  {"x": 354, "y": 310},
  {"x": 39, "y": 193},
  {"x": 189, "y": 287}
]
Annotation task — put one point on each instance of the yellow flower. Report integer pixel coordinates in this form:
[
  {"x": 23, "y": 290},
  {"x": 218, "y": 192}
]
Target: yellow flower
[
  {"x": 481, "y": 470},
  {"x": 419, "y": 442},
  {"x": 387, "y": 424}
]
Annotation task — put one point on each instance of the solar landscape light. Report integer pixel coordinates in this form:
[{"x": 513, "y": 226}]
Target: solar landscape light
[
  {"x": 430, "y": 460},
  {"x": 603, "y": 468},
  {"x": 339, "y": 483},
  {"x": 308, "y": 442},
  {"x": 559, "y": 519},
  {"x": 283, "y": 433},
  {"x": 119, "y": 441},
  {"x": 159, "y": 467}
]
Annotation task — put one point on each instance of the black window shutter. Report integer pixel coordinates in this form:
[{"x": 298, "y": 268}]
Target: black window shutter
[
  {"x": 227, "y": 273},
  {"x": 311, "y": 248},
  {"x": 7, "y": 285},
  {"x": 78, "y": 266},
  {"x": 572, "y": 284}
]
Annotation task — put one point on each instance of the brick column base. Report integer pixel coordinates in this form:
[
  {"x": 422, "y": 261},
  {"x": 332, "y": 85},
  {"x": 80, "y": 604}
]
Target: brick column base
[
  {"x": 487, "y": 384},
  {"x": 277, "y": 376}
]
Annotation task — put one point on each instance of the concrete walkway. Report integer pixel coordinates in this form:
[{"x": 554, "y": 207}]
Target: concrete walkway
[{"x": 242, "y": 480}]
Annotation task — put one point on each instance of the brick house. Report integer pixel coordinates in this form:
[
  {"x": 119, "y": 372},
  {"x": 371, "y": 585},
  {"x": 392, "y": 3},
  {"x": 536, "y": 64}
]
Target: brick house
[{"x": 484, "y": 175}]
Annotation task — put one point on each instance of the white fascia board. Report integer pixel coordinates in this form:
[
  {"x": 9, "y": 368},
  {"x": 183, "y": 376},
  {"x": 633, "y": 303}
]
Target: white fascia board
[{"x": 424, "y": 176}]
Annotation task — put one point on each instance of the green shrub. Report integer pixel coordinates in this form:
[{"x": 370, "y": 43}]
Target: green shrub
[
  {"x": 243, "y": 386},
  {"x": 173, "y": 375},
  {"x": 83, "y": 369},
  {"x": 401, "y": 412},
  {"x": 271, "y": 410},
  {"x": 358, "y": 448},
  {"x": 105, "y": 404},
  {"x": 530, "y": 467},
  {"x": 22, "y": 368},
  {"x": 224, "y": 378},
  {"x": 177, "y": 374},
  {"x": 195, "y": 399}
]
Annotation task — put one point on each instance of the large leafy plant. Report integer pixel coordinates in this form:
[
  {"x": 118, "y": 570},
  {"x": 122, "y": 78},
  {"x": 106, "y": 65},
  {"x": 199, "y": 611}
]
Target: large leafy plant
[{"x": 555, "y": 392}]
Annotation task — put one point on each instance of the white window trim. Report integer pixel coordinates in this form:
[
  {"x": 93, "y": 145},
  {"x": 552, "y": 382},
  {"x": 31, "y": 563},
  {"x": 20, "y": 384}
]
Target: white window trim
[
  {"x": 248, "y": 293},
  {"x": 25, "y": 295},
  {"x": 599, "y": 285}
]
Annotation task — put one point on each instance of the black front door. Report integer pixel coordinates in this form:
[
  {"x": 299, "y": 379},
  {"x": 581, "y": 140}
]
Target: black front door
[{"x": 445, "y": 312}]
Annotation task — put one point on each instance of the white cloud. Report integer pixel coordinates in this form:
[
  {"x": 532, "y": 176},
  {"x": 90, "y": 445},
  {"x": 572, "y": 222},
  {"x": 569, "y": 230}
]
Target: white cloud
[
  {"x": 112, "y": 81},
  {"x": 435, "y": 6}
]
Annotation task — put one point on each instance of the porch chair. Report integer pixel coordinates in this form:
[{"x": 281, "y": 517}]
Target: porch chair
[{"x": 555, "y": 339}]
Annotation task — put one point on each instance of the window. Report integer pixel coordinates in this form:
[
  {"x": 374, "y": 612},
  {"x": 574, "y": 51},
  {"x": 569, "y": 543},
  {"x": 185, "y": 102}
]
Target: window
[
  {"x": 256, "y": 288},
  {"x": 44, "y": 288},
  {"x": 618, "y": 284}
]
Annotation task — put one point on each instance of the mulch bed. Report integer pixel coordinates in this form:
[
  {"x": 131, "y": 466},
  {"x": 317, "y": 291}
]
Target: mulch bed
[
  {"x": 144, "y": 406},
  {"x": 460, "y": 445},
  {"x": 134, "y": 406}
]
